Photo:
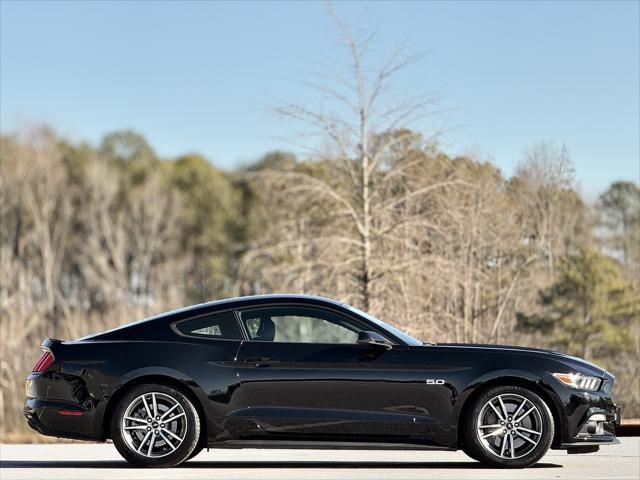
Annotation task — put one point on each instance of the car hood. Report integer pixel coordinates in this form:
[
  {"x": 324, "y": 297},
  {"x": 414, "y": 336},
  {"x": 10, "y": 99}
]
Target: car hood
[
  {"x": 571, "y": 361},
  {"x": 493, "y": 346}
]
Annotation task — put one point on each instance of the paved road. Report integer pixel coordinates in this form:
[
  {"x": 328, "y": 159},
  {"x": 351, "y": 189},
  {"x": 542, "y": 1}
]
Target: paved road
[{"x": 91, "y": 461}]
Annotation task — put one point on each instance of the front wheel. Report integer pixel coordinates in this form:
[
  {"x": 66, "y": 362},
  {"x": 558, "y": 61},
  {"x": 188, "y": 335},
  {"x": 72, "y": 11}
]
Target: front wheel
[
  {"x": 508, "y": 427},
  {"x": 155, "y": 426}
]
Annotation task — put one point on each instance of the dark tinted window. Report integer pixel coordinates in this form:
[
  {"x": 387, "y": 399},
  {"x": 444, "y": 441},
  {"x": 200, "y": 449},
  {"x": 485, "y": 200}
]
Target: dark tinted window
[{"x": 217, "y": 325}]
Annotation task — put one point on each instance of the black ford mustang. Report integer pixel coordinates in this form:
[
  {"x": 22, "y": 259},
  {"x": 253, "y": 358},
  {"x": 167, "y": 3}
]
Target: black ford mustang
[{"x": 301, "y": 371}]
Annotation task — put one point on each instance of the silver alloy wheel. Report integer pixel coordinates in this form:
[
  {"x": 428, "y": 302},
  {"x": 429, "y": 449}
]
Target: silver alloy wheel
[
  {"x": 154, "y": 425},
  {"x": 509, "y": 426}
]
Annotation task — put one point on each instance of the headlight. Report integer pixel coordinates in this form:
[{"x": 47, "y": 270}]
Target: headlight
[{"x": 579, "y": 381}]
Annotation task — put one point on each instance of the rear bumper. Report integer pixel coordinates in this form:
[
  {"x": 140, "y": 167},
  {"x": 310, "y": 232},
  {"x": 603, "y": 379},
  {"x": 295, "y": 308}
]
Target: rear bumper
[
  {"x": 60, "y": 406},
  {"x": 60, "y": 419}
]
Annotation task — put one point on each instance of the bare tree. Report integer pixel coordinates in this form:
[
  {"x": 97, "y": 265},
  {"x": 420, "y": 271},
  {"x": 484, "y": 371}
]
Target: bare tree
[
  {"x": 365, "y": 191},
  {"x": 547, "y": 174},
  {"x": 129, "y": 235},
  {"x": 36, "y": 224}
]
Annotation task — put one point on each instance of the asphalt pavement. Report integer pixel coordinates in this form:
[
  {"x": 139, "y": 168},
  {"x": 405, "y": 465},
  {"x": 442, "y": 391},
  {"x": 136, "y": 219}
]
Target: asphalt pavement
[{"x": 101, "y": 461}]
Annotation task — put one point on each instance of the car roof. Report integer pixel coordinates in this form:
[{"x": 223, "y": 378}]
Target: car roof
[
  {"x": 212, "y": 306},
  {"x": 250, "y": 299}
]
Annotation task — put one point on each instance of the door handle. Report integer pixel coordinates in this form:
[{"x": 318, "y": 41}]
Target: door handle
[
  {"x": 260, "y": 361},
  {"x": 372, "y": 355}
]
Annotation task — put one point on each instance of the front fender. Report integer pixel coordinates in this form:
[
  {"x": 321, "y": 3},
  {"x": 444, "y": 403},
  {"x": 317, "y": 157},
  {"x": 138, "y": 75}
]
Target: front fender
[
  {"x": 493, "y": 377},
  {"x": 517, "y": 377}
]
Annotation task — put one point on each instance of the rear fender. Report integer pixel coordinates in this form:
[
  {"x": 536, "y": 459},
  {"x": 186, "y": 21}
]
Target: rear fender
[{"x": 154, "y": 374}]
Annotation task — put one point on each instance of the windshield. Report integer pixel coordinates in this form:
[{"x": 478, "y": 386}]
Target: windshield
[{"x": 408, "y": 339}]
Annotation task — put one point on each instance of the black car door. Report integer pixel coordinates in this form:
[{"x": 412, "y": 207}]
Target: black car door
[{"x": 304, "y": 375}]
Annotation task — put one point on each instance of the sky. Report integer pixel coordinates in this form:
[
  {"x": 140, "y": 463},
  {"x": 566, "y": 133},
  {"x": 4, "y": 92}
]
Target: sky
[{"x": 204, "y": 76}]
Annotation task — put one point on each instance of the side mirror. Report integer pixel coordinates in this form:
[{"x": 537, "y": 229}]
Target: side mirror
[{"x": 373, "y": 338}]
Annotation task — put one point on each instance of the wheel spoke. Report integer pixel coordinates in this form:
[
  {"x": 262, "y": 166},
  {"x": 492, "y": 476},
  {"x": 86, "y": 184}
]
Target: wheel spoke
[
  {"x": 528, "y": 430},
  {"x": 155, "y": 405},
  {"x": 151, "y": 443},
  {"x": 495, "y": 425},
  {"x": 144, "y": 440},
  {"x": 497, "y": 412},
  {"x": 168, "y": 411},
  {"x": 504, "y": 409},
  {"x": 515, "y": 414},
  {"x": 513, "y": 453},
  {"x": 504, "y": 445},
  {"x": 165, "y": 430},
  {"x": 497, "y": 431},
  {"x": 169, "y": 420},
  {"x": 526, "y": 438},
  {"x": 136, "y": 427},
  {"x": 134, "y": 419},
  {"x": 167, "y": 440},
  {"x": 146, "y": 407},
  {"x": 518, "y": 420}
]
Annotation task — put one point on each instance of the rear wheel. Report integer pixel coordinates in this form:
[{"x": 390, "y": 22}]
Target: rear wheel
[
  {"x": 508, "y": 427},
  {"x": 155, "y": 426}
]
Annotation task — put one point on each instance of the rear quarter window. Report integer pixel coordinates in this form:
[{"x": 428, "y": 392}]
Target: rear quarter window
[{"x": 216, "y": 325}]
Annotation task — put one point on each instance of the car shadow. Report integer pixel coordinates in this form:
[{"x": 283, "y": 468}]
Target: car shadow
[{"x": 113, "y": 464}]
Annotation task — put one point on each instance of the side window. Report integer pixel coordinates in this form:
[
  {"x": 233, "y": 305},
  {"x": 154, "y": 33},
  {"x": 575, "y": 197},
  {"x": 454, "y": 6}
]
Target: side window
[
  {"x": 218, "y": 325},
  {"x": 299, "y": 325}
]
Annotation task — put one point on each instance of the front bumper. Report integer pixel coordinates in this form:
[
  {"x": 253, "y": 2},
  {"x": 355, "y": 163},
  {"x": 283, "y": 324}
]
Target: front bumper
[
  {"x": 590, "y": 418},
  {"x": 592, "y": 442},
  {"x": 589, "y": 437}
]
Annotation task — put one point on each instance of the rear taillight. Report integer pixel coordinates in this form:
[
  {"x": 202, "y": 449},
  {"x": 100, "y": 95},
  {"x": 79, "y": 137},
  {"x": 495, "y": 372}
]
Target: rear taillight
[{"x": 45, "y": 362}]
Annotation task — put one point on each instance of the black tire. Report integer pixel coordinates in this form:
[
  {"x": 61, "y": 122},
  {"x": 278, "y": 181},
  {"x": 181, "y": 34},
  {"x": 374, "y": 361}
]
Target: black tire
[
  {"x": 166, "y": 456},
  {"x": 202, "y": 444},
  {"x": 516, "y": 451},
  {"x": 196, "y": 452},
  {"x": 470, "y": 453}
]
